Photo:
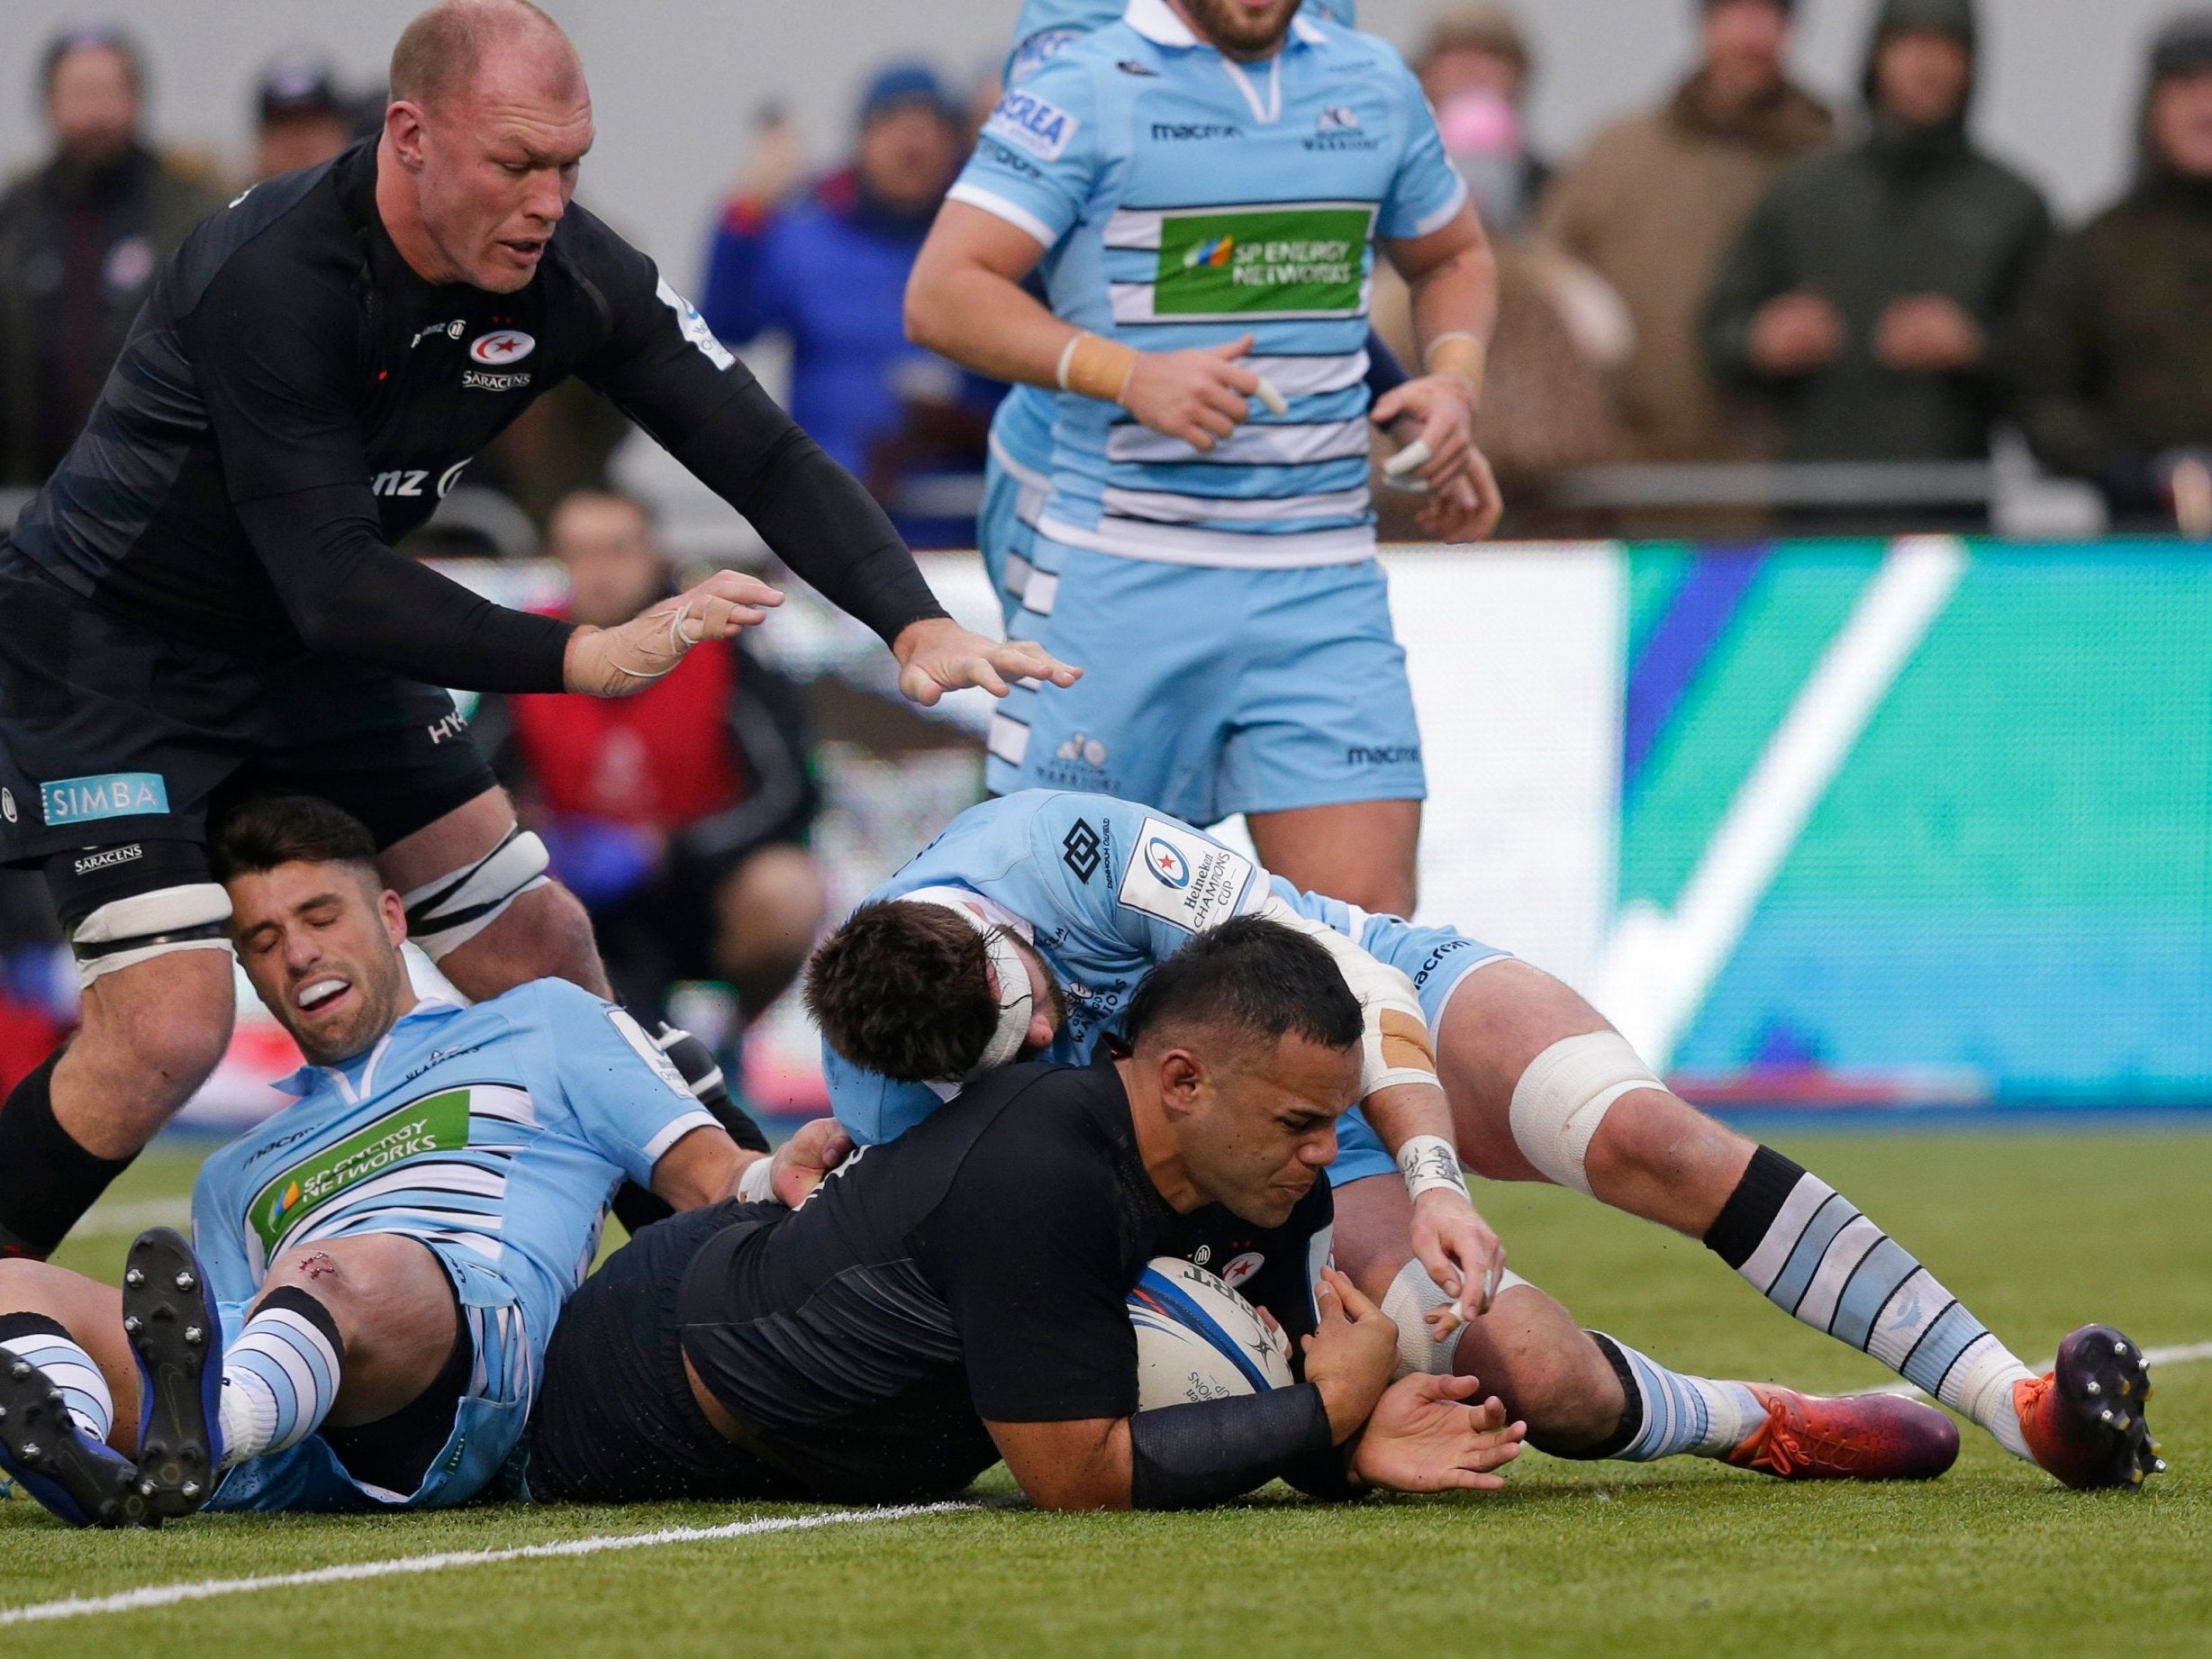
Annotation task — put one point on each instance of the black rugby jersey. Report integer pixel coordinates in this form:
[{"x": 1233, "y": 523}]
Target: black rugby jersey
[
  {"x": 293, "y": 399},
  {"x": 974, "y": 1268}
]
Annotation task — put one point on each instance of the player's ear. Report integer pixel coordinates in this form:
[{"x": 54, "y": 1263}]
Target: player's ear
[
  {"x": 394, "y": 913},
  {"x": 1183, "y": 1082},
  {"x": 403, "y": 126}
]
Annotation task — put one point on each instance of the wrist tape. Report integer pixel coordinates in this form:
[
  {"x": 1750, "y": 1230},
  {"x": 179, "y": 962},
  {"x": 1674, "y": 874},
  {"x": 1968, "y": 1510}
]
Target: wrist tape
[
  {"x": 1096, "y": 368},
  {"x": 1458, "y": 353},
  {"x": 1430, "y": 1164},
  {"x": 756, "y": 1182}
]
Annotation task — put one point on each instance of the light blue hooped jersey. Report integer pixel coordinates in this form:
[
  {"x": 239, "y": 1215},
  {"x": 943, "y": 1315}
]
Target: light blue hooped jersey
[
  {"x": 495, "y": 1133},
  {"x": 1021, "y": 428},
  {"x": 1186, "y": 199},
  {"x": 1104, "y": 889}
]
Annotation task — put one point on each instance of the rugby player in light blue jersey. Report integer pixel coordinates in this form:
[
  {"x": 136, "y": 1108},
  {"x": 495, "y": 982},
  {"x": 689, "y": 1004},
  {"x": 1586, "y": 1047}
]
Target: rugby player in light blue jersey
[
  {"x": 379, "y": 1265},
  {"x": 1017, "y": 475},
  {"x": 1202, "y": 186},
  {"x": 1022, "y": 931}
]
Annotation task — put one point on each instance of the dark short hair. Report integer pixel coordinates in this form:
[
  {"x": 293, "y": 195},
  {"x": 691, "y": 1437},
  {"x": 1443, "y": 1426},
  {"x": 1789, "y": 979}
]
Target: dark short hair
[
  {"x": 96, "y": 37},
  {"x": 903, "y": 990},
  {"x": 264, "y": 831},
  {"x": 1251, "y": 975}
]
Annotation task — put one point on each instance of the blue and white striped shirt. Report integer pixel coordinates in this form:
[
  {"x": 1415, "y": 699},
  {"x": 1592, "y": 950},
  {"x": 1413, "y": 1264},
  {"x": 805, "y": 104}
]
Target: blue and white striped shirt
[{"x": 1185, "y": 199}]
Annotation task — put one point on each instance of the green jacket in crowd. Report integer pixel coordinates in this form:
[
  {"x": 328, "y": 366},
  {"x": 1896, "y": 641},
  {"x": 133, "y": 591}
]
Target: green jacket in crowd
[{"x": 1903, "y": 210}]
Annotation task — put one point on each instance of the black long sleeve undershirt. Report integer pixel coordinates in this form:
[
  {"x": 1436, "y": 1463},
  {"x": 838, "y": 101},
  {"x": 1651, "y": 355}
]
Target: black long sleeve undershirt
[
  {"x": 351, "y": 596},
  {"x": 811, "y": 512}
]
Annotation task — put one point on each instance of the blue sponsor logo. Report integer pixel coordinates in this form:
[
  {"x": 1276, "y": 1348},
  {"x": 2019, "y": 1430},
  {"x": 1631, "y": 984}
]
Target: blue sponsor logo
[
  {"x": 1166, "y": 863},
  {"x": 112, "y": 794},
  {"x": 1032, "y": 123}
]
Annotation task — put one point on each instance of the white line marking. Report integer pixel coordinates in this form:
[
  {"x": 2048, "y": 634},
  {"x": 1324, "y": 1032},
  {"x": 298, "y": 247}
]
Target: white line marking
[
  {"x": 168, "y": 1595},
  {"x": 2189, "y": 1352},
  {"x": 1659, "y": 967},
  {"x": 131, "y": 1216}
]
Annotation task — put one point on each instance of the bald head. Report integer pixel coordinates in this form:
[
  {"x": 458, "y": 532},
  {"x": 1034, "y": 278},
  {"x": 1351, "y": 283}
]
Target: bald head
[
  {"x": 488, "y": 122},
  {"x": 444, "y": 50}
]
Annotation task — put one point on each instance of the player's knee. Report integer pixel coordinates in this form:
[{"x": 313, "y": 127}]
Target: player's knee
[
  {"x": 167, "y": 1020},
  {"x": 1568, "y": 1395},
  {"x": 1663, "y": 1139},
  {"x": 1563, "y": 1096}
]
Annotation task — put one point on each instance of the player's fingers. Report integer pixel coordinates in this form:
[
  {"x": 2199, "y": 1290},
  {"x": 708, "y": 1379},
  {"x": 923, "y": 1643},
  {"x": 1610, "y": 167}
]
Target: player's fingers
[
  {"x": 1453, "y": 1388},
  {"x": 1228, "y": 350},
  {"x": 917, "y": 685},
  {"x": 1389, "y": 406},
  {"x": 1326, "y": 1297},
  {"x": 1489, "y": 498},
  {"x": 977, "y": 671},
  {"x": 1025, "y": 660},
  {"x": 1355, "y": 1303},
  {"x": 1216, "y": 423},
  {"x": 737, "y": 586},
  {"x": 1227, "y": 400}
]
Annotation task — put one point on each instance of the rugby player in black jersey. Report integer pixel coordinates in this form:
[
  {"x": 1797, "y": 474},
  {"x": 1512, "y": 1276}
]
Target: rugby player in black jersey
[
  {"x": 205, "y": 594},
  {"x": 958, "y": 1296}
]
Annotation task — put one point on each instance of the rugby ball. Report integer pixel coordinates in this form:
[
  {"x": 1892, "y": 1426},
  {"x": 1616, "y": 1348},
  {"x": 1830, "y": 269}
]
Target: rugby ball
[{"x": 1198, "y": 1339}]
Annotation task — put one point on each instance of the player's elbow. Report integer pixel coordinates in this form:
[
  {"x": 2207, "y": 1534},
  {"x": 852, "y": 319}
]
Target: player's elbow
[
  {"x": 924, "y": 310},
  {"x": 1075, "y": 1491}
]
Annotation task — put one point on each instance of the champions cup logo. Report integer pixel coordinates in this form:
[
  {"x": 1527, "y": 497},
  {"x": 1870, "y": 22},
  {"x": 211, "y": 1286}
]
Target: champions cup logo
[
  {"x": 1166, "y": 863},
  {"x": 502, "y": 347}
]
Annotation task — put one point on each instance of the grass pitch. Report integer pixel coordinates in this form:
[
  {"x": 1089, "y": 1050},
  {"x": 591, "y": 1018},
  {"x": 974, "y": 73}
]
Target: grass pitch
[{"x": 2038, "y": 1233}]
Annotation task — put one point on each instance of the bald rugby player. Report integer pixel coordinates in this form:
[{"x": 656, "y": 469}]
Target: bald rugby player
[{"x": 204, "y": 597}]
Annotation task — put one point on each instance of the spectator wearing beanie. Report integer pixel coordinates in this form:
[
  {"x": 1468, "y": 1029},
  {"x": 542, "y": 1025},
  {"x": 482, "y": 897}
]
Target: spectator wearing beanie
[
  {"x": 80, "y": 240},
  {"x": 1655, "y": 205},
  {"x": 2110, "y": 367},
  {"x": 1861, "y": 296}
]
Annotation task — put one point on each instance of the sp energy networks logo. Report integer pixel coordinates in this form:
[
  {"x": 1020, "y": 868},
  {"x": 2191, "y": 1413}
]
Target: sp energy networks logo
[
  {"x": 436, "y": 1123},
  {"x": 1298, "y": 260}
]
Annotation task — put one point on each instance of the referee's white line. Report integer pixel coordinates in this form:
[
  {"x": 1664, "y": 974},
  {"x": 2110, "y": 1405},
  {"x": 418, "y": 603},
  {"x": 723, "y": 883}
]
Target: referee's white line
[
  {"x": 2186, "y": 1353},
  {"x": 168, "y": 1595}
]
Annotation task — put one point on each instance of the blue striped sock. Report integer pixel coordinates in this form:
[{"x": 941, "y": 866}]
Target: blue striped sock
[
  {"x": 1679, "y": 1412},
  {"x": 47, "y": 1345},
  {"x": 1809, "y": 1250},
  {"x": 280, "y": 1377}
]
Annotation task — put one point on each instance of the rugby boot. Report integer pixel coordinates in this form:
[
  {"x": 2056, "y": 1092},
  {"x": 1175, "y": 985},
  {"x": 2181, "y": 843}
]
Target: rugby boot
[
  {"x": 1847, "y": 1437},
  {"x": 176, "y": 1333},
  {"x": 45, "y": 1452},
  {"x": 2083, "y": 1418}
]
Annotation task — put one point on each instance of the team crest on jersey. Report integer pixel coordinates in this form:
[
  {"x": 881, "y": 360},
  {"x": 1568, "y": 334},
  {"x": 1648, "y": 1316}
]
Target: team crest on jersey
[
  {"x": 1039, "y": 49},
  {"x": 1238, "y": 1268},
  {"x": 1182, "y": 877},
  {"x": 1031, "y": 123},
  {"x": 502, "y": 347}
]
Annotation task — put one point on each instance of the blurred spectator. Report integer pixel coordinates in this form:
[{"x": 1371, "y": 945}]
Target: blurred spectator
[
  {"x": 827, "y": 268},
  {"x": 80, "y": 240},
  {"x": 1475, "y": 70},
  {"x": 304, "y": 120},
  {"x": 1656, "y": 203},
  {"x": 1861, "y": 296},
  {"x": 2111, "y": 363},
  {"x": 679, "y": 816}
]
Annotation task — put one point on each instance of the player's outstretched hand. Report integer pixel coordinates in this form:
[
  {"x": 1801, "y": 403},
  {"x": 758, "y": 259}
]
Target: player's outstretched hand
[
  {"x": 937, "y": 655},
  {"x": 1424, "y": 1438},
  {"x": 801, "y": 1163},
  {"x": 1198, "y": 395},
  {"x": 1463, "y": 1254},
  {"x": 619, "y": 662},
  {"x": 1350, "y": 1358}
]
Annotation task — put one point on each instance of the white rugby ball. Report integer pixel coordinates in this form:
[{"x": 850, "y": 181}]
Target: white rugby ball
[{"x": 1198, "y": 1339}]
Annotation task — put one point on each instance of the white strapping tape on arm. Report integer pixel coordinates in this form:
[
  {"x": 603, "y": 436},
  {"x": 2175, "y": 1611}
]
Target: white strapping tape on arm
[
  {"x": 757, "y": 1180},
  {"x": 1396, "y": 1047},
  {"x": 1563, "y": 1096}
]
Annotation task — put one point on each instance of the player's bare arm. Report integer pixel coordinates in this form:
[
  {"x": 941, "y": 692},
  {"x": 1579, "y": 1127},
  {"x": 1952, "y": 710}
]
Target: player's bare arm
[
  {"x": 1454, "y": 279},
  {"x": 966, "y": 302}
]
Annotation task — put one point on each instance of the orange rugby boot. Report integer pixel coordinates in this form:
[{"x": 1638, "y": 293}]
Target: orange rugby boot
[
  {"x": 1847, "y": 1437},
  {"x": 2083, "y": 1417}
]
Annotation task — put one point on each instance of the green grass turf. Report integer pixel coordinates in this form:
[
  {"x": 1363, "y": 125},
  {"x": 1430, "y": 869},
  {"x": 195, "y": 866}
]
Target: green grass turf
[{"x": 2038, "y": 1233}]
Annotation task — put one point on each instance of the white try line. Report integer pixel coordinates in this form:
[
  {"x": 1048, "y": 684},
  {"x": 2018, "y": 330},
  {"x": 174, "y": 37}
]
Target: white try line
[
  {"x": 2189, "y": 1352},
  {"x": 168, "y": 1595}
]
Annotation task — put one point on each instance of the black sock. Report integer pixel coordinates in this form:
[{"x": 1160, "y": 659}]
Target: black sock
[
  {"x": 1742, "y": 1225},
  {"x": 1631, "y": 1422},
  {"x": 47, "y": 1181}
]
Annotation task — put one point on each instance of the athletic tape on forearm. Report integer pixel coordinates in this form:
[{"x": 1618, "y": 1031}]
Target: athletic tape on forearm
[
  {"x": 1395, "y": 1046},
  {"x": 1096, "y": 368},
  {"x": 1184, "y": 1457},
  {"x": 1430, "y": 1164}
]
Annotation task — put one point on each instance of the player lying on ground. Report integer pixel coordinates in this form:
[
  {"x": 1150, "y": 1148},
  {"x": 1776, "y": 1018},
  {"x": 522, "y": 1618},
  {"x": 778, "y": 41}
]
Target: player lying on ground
[
  {"x": 207, "y": 591},
  {"x": 380, "y": 1264},
  {"x": 959, "y": 1296},
  {"x": 1024, "y": 927}
]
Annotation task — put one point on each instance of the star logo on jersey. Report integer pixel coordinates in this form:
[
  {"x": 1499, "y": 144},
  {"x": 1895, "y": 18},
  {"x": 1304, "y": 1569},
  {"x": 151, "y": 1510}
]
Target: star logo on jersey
[
  {"x": 1164, "y": 862},
  {"x": 1238, "y": 1269},
  {"x": 502, "y": 347},
  {"x": 1078, "y": 851}
]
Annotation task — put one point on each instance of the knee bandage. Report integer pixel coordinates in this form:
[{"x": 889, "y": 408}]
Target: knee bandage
[
  {"x": 149, "y": 925},
  {"x": 445, "y": 914},
  {"x": 1408, "y": 1303},
  {"x": 1563, "y": 1096}
]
